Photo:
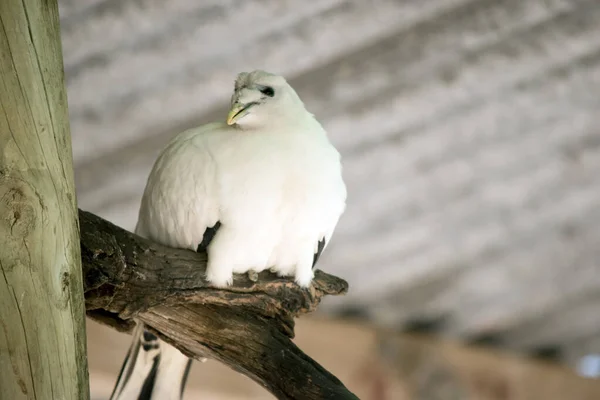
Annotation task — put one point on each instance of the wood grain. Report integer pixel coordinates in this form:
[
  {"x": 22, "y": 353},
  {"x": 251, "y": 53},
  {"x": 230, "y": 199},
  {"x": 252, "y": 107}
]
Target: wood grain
[
  {"x": 42, "y": 318},
  {"x": 248, "y": 326}
]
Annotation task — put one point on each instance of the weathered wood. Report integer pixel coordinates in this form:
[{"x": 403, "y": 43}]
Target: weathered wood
[
  {"x": 247, "y": 326},
  {"x": 42, "y": 335}
]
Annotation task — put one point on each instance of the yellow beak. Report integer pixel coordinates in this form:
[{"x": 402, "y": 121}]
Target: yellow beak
[{"x": 237, "y": 111}]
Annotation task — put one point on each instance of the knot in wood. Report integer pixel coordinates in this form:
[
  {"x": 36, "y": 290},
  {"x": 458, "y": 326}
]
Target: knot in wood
[{"x": 18, "y": 212}]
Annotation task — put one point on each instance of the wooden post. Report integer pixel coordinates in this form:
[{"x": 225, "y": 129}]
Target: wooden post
[{"x": 42, "y": 326}]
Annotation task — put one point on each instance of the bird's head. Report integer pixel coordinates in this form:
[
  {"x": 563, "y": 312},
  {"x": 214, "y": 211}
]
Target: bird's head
[{"x": 263, "y": 99}]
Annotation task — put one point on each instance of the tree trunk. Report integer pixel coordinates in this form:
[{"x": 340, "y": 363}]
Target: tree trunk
[{"x": 42, "y": 316}]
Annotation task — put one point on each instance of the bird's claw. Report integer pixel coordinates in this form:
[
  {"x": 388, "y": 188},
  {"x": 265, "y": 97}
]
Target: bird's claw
[{"x": 253, "y": 275}]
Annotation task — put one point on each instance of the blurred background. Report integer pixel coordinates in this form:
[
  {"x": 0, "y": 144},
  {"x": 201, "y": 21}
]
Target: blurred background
[{"x": 470, "y": 137}]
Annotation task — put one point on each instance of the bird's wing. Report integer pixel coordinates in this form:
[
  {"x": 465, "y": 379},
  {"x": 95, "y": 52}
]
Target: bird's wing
[
  {"x": 320, "y": 247},
  {"x": 180, "y": 206},
  {"x": 179, "y": 209},
  {"x": 335, "y": 206}
]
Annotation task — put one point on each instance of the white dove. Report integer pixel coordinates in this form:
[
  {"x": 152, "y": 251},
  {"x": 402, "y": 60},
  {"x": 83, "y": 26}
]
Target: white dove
[{"x": 263, "y": 190}]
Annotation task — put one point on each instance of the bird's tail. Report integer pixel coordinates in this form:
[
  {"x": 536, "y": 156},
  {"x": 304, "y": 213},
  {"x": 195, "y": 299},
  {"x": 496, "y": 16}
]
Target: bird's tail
[{"x": 152, "y": 370}]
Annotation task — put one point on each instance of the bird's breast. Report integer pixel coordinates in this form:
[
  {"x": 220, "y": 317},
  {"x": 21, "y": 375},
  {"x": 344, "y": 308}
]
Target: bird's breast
[{"x": 278, "y": 178}]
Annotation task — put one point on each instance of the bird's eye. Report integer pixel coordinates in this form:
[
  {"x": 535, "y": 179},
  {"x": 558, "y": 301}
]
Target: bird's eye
[{"x": 267, "y": 91}]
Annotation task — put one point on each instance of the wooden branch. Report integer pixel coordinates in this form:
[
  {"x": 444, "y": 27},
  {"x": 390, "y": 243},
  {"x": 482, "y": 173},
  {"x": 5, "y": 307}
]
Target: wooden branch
[
  {"x": 380, "y": 364},
  {"x": 247, "y": 326}
]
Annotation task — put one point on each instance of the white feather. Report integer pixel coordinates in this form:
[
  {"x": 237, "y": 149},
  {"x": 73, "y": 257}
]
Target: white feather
[
  {"x": 276, "y": 188},
  {"x": 273, "y": 181}
]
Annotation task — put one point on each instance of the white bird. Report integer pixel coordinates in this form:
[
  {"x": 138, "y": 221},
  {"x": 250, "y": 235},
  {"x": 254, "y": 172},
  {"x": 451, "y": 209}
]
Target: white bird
[{"x": 262, "y": 191}]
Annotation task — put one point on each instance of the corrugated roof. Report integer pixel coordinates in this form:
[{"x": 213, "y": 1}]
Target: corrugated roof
[{"x": 469, "y": 130}]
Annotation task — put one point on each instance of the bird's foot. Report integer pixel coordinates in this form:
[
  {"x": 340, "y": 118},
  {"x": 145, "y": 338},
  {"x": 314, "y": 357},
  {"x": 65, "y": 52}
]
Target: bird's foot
[
  {"x": 253, "y": 275},
  {"x": 219, "y": 278},
  {"x": 284, "y": 273},
  {"x": 304, "y": 277}
]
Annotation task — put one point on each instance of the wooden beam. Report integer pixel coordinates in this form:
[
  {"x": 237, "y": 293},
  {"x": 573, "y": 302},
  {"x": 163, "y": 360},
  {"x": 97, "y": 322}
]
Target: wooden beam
[{"x": 42, "y": 318}]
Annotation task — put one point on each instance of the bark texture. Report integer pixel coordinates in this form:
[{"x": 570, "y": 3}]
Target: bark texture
[{"x": 248, "y": 326}]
